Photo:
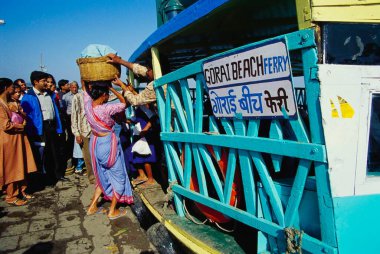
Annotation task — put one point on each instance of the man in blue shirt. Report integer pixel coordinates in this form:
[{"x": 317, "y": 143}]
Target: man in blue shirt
[{"x": 43, "y": 127}]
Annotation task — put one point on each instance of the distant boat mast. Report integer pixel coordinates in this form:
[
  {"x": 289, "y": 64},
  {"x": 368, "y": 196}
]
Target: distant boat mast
[{"x": 42, "y": 66}]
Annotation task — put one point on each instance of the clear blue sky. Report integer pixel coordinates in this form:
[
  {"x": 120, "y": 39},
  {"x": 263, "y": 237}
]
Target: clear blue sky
[{"x": 61, "y": 29}]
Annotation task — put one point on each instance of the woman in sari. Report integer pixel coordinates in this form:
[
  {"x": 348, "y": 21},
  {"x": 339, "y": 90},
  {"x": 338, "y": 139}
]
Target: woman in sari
[
  {"x": 106, "y": 153},
  {"x": 16, "y": 157}
]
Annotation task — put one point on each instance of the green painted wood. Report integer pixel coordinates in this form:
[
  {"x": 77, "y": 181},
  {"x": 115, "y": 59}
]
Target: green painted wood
[
  {"x": 289, "y": 148},
  {"x": 227, "y": 125},
  {"x": 212, "y": 171},
  {"x": 308, "y": 243},
  {"x": 266, "y": 209},
  {"x": 175, "y": 162},
  {"x": 188, "y": 168},
  {"x": 246, "y": 170},
  {"x": 242, "y": 140},
  {"x": 182, "y": 73},
  {"x": 178, "y": 108},
  {"x": 171, "y": 172},
  {"x": 230, "y": 175},
  {"x": 199, "y": 170},
  {"x": 253, "y": 128},
  {"x": 298, "y": 126},
  {"x": 199, "y": 81},
  {"x": 187, "y": 104},
  {"x": 276, "y": 133},
  {"x": 270, "y": 190},
  {"x": 213, "y": 128},
  {"x": 309, "y": 58},
  {"x": 177, "y": 125},
  {"x": 168, "y": 111},
  {"x": 173, "y": 179},
  {"x": 296, "y": 193},
  {"x": 161, "y": 109}
]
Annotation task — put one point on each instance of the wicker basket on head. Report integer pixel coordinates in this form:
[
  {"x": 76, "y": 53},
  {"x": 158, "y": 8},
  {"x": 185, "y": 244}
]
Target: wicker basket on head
[{"x": 97, "y": 69}]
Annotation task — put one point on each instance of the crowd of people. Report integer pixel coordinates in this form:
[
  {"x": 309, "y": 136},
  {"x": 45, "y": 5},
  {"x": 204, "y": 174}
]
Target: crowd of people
[{"x": 54, "y": 132}]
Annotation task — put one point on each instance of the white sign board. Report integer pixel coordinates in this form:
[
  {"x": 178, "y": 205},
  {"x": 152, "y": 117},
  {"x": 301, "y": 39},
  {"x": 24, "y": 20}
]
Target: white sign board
[{"x": 255, "y": 82}]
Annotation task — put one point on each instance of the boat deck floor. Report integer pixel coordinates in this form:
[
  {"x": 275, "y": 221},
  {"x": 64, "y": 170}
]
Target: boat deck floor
[{"x": 198, "y": 238}]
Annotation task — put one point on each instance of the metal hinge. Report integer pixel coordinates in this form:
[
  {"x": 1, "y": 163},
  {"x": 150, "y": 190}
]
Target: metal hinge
[
  {"x": 306, "y": 14},
  {"x": 314, "y": 73}
]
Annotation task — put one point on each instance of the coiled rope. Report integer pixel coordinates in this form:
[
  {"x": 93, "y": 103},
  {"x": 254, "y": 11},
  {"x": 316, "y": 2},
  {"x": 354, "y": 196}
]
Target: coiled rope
[{"x": 293, "y": 240}]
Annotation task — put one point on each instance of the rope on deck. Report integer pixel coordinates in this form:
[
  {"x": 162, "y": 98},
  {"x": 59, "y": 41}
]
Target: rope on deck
[
  {"x": 293, "y": 240},
  {"x": 169, "y": 195}
]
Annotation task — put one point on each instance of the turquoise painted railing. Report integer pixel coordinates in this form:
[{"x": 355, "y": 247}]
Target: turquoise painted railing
[{"x": 192, "y": 150}]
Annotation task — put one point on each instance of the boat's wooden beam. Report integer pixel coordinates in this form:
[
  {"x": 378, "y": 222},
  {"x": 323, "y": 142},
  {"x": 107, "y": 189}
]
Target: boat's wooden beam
[{"x": 309, "y": 151}]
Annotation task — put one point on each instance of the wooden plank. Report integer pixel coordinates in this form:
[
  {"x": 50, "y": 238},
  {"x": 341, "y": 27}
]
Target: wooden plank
[
  {"x": 176, "y": 162},
  {"x": 343, "y": 3},
  {"x": 303, "y": 14},
  {"x": 213, "y": 128},
  {"x": 187, "y": 104},
  {"x": 296, "y": 193},
  {"x": 246, "y": 168},
  {"x": 168, "y": 111},
  {"x": 199, "y": 170},
  {"x": 309, "y": 58},
  {"x": 178, "y": 108},
  {"x": 230, "y": 175},
  {"x": 212, "y": 171},
  {"x": 188, "y": 168},
  {"x": 275, "y": 132},
  {"x": 265, "y": 206},
  {"x": 269, "y": 187},
  {"x": 199, "y": 103},
  {"x": 309, "y": 151},
  {"x": 359, "y": 13}
]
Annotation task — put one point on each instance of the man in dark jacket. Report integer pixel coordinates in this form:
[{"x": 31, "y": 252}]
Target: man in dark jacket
[{"x": 43, "y": 127}]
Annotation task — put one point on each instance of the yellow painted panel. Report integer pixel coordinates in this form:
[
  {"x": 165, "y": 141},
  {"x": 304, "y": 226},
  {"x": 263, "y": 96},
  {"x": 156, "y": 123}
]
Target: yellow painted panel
[
  {"x": 363, "y": 13},
  {"x": 303, "y": 14},
  {"x": 343, "y": 2},
  {"x": 157, "y": 72}
]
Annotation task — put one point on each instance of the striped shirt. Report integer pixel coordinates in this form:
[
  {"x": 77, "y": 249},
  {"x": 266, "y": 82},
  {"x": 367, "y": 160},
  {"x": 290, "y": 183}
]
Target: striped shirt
[{"x": 79, "y": 124}]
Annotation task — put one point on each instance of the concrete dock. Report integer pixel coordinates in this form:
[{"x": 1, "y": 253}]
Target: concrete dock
[{"x": 55, "y": 221}]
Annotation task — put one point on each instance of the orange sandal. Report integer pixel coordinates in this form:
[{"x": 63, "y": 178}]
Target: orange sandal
[{"x": 18, "y": 202}]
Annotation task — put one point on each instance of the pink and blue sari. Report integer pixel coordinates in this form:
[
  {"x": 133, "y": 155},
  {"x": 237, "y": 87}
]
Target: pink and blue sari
[{"x": 106, "y": 153}]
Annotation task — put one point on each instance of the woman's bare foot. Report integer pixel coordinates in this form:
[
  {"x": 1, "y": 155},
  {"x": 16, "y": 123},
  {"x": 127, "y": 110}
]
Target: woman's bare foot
[{"x": 92, "y": 210}]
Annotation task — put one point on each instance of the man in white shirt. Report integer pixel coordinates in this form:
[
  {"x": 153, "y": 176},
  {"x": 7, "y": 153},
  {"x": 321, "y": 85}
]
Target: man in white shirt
[{"x": 43, "y": 127}]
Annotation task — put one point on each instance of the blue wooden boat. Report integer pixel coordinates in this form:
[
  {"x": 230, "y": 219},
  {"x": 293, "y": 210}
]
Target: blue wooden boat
[{"x": 284, "y": 121}]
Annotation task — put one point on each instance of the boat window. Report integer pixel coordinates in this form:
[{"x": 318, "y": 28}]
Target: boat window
[
  {"x": 354, "y": 44},
  {"x": 373, "y": 158}
]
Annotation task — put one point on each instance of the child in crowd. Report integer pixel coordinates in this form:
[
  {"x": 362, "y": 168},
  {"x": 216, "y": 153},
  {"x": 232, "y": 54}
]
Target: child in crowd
[
  {"x": 142, "y": 159},
  {"x": 18, "y": 115}
]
